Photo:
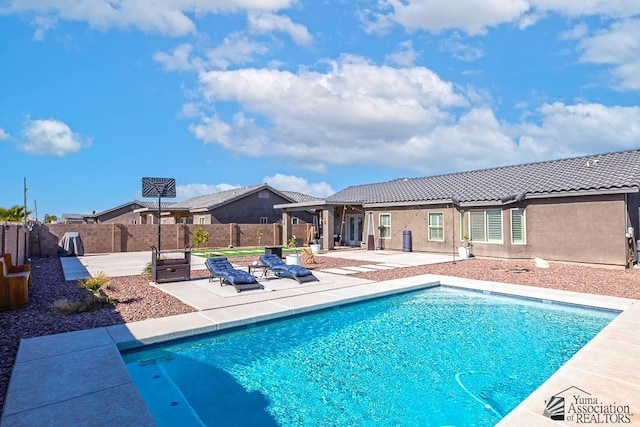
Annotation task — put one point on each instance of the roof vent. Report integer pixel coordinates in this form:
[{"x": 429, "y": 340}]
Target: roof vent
[{"x": 592, "y": 162}]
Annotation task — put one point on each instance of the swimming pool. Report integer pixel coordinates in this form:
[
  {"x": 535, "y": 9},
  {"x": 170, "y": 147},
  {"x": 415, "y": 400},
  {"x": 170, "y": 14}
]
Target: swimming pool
[{"x": 442, "y": 356}]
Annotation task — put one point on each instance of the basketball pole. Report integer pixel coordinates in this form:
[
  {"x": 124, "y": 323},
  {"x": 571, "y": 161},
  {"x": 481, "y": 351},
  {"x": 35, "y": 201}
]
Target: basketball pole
[{"x": 159, "y": 213}]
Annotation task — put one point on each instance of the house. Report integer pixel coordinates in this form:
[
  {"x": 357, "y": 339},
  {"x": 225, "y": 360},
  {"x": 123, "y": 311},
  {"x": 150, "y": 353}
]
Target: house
[
  {"x": 133, "y": 212},
  {"x": 76, "y": 218},
  {"x": 245, "y": 205},
  {"x": 580, "y": 209}
]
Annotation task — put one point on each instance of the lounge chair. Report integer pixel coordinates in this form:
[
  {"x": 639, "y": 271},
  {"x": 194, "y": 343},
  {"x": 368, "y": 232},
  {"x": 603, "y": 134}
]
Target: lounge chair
[
  {"x": 220, "y": 268},
  {"x": 295, "y": 272}
]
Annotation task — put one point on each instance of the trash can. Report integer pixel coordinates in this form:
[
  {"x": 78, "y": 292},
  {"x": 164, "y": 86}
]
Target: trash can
[{"x": 406, "y": 241}]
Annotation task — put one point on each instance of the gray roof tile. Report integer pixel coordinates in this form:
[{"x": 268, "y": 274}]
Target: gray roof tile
[
  {"x": 300, "y": 197},
  {"x": 210, "y": 201},
  {"x": 600, "y": 172}
]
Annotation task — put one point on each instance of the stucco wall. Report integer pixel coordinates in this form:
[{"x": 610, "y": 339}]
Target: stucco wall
[
  {"x": 573, "y": 229},
  {"x": 251, "y": 208}
]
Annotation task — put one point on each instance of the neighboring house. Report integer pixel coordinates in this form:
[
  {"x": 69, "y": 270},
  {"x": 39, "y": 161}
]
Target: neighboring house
[
  {"x": 72, "y": 218},
  {"x": 582, "y": 209},
  {"x": 134, "y": 212},
  {"x": 245, "y": 205}
]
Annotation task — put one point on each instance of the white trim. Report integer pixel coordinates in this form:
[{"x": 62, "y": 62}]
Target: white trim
[{"x": 435, "y": 227}]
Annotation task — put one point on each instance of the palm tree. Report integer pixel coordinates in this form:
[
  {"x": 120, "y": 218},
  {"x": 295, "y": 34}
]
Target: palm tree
[{"x": 15, "y": 213}]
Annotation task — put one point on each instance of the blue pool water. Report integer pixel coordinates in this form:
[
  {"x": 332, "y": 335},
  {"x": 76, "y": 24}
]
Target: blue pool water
[{"x": 441, "y": 356}]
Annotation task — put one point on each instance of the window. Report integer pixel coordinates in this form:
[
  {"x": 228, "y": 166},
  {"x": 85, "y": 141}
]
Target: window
[
  {"x": 463, "y": 228},
  {"x": 517, "y": 226},
  {"x": 436, "y": 226},
  {"x": 385, "y": 226},
  {"x": 295, "y": 220},
  {"x": 201, "y": 220},
  {"x": 135, "y": 221},
  {"x": 486, "y": 226},
  {"x": 263, "y": 220}
]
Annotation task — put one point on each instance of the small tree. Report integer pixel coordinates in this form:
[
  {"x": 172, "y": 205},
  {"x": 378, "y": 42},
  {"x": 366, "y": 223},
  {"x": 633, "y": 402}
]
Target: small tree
[
  {"x": 200, "y": 237},
  {"x": 50, "y": 218}
]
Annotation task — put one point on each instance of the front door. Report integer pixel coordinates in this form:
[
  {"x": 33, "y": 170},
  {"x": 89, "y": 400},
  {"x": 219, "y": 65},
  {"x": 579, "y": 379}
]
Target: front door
[{"x": 354, "y": 230}]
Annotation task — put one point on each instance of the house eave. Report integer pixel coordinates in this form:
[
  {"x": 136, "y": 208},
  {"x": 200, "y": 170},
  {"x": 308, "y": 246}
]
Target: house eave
[
  {"x": 303, "y": 206},
  {"x": 407, "y": 204}
]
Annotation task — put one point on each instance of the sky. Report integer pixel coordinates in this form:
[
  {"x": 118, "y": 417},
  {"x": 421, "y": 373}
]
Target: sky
[{"x": 305, "y": 95}]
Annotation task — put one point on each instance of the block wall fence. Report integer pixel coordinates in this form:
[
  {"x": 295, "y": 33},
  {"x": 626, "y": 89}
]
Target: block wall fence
[{"x": 108, "y": 238}]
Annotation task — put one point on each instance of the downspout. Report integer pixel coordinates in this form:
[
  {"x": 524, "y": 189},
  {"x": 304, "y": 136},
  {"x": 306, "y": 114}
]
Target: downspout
[{"x": 630, "y": 246}]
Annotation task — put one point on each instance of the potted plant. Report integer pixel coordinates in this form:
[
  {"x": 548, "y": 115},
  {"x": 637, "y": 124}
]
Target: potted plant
[
  {"x": 465, "y": 250},
  {"x": 293, "y": 256},
  {"x": 315, "y": 246}
]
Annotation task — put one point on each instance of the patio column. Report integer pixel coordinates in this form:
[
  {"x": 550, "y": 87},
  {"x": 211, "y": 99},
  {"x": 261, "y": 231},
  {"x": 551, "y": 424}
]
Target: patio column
[
  {"x": 328, "y": 226},
  {"x": 286, "y": 227}
]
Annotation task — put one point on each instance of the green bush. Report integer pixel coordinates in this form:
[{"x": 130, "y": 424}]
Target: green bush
[{"x": 200, "y": 237}]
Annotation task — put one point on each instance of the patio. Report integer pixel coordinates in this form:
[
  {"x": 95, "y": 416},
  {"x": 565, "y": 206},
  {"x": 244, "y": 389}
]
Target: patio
[{"x": 62, "y": 377}]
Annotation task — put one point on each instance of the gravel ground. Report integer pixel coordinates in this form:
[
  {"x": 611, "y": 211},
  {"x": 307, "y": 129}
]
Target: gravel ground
[{"x": 136, "y": 300}]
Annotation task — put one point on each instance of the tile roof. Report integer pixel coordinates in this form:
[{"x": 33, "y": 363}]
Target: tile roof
[
  {"x": 300, "y": 197},
  {"x": 210, "y": 201},
  {"x": 135, "y": 204},
  {"x": 609, "y": 172}
]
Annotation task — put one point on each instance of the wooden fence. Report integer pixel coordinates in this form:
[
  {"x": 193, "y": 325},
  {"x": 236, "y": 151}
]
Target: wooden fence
[{"x": 14, "y": 240}]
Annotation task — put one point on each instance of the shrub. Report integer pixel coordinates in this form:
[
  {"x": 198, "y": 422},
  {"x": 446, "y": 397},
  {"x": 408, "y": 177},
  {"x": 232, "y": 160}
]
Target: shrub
[
  {"x": 200, "y": 237},
  {"x": 66, "y": 306},
  {"x": 308, "y": 257},
  {"x": 146, "y": 271}
]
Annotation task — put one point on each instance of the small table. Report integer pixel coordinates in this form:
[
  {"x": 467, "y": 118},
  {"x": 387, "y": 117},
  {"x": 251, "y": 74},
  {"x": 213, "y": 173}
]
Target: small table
[
  {"x": 273, "y": 250},
  {"x": 263, "y": 267}
]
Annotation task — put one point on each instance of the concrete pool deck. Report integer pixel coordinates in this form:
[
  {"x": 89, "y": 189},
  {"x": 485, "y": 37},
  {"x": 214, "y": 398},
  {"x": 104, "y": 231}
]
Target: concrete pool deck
[{"x": 79, "y": 378}]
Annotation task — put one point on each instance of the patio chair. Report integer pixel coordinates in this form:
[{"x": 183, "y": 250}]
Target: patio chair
[
  {"x": 280, "y": 269},
  {"x": 220, "y": 268}
]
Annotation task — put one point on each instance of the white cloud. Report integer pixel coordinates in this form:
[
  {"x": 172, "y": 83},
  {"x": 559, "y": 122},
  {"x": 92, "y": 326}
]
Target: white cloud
[
  {"x": 235, "y": 49},
  {"x": 177, "y": 60},
  {"x": 190, "y": 110},
  {"x": 572, "y": 8},
  {"x": 319, "y": 118},
  {"x": 581, "y": 128},
  {"x": 42, "y": 25},
  {"x": 3, "y": 135},
  {"x": 404, "y": 56},
  {"x": 403, "y": 118},
  {"x": 295, "y": 183},
  {"x": 470, "y": 16},
  {"x": 475, "y": 17},
  {"x": 51, "y": 137},
  {"x": 241, "y": 135},
  {"x": 575, "y": 33},
  {"x": 460, "y": 50},
  {"x": 169, "y": 17},
  {"x": 188, "y": 191},
  {"x": 270, "y": 22},
  {"x": 619, "y": 47}
]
